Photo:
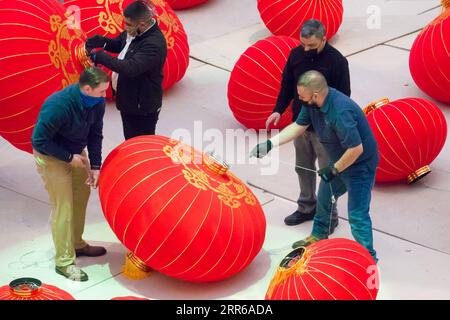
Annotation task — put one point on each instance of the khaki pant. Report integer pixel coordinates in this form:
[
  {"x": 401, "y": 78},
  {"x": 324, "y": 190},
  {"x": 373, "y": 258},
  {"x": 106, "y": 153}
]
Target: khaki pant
[{"x": 69, "y": 195}]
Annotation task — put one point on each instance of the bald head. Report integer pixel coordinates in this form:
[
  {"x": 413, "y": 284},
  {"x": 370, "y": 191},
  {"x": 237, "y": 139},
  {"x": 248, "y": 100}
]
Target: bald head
[
  {"x": 313, "y": 81},
  {"x": 312, "y": 88}
]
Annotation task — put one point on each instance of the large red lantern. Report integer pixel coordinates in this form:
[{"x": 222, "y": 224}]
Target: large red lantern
[
  {"x": 286, "y": 17},
  {"x": 41, "y": 54},
  {"x": 32, "y": 289},
  {"x": 410, "y": 134},
  {"x": 184, "y": 4},
  {"x": 256, "y": 80},
  {"x": 429, "y": 59},
  {"x": 179, "y": 211},
  {"x": 106, "y": 18},
  {"x": 332, "y": 269}
]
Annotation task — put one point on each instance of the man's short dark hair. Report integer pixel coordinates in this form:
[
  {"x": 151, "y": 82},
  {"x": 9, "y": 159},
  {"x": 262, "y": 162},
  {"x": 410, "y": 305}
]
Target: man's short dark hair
[
  {"x": 93, "y": 77},
  {"x": 313, "y": 27},
  {"x": 139, "y": 11}
]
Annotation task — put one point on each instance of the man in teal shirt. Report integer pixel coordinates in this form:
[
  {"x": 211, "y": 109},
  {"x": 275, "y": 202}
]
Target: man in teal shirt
[
  {"x": 69, "y": 121},
  {"x": 348, "y": 139}
]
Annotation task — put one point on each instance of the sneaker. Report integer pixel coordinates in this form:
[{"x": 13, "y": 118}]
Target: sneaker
[
  {"x": 90, "y": 251},
  {"x": 72, "y": 272},
  {"x": 305, "y": 242},
  {"x": 298, "y": 217}
]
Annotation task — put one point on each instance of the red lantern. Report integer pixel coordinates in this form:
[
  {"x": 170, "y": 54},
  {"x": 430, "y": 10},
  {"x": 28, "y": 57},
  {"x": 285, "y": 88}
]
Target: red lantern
[
  {"x": 256, "y": 79},
  {"x": 429, "y": 59},
  {"x": 106, "y": 19},
  {"x": 179, "y": 211},
  {"x": 32, "y": 289},
  {"x": 286, "y": 17},
  {"x": 332, "y": 269},
  {"x": 184, "y": 4},
  {"x": 410, "y": 134},
  {"x": 41, "y": 54}
]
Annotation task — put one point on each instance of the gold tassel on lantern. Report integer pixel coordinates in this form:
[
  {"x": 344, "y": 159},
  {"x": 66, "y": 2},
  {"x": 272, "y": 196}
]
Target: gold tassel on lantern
[{"x": 134, "y": 268}]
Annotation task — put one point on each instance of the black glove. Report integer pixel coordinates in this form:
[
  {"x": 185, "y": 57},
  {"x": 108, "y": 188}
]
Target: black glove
[
  {"x": 262, "y": 149},
  {"x": 328, "y": 173},
  {"x": 99, "y": 56},
  {"x": 96, "y": 41}
]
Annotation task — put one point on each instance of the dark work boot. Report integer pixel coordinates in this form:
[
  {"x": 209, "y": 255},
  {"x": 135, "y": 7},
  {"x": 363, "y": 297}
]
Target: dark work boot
[
  {"x": 90, "y": 251},
  {"x": 298, "y": 217}
]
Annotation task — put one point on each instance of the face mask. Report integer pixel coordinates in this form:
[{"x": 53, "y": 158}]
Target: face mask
[
  {"x": 303, "y": 102},
  {"x": 311, "y": 54},
  {"x": 139, "y": 31},
  {"x": 134, "y": 32},
  {"x": 88, "y": 101},
  {"x": 308, "y": 103}
]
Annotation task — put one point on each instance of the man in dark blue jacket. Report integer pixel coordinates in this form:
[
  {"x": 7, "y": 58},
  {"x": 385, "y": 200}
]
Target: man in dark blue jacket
[
  {"x": 137, "y": 71},
  {"x": 345, "y": 133},
  {"x": 69, "y": 121}
]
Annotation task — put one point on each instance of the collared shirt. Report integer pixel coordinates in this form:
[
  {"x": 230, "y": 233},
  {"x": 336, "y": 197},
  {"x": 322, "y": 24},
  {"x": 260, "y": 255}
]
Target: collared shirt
[
  {"x": 139, "y": 85},
  {"x": 64, "y": 127},
  {"x": 341, "y": 124},
  {"x": 115, "y": 75}
]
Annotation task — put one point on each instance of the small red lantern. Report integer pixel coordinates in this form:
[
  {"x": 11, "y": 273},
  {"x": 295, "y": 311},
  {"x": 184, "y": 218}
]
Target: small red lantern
[
  {"x": 32, "y": 289},
  {"x": 286, "y": 17},
  {"x": 256, "y": 80},
  {"x": 106, "y": 19},
  {"x": 179, "y": 211},
  {"x": 184, "y": 4},
  {"x": 410, "y": 134},
  {"x": 332, "y": 269},
  {"x": 41, "y": 54},
  {"x": 429, "y": 59}
]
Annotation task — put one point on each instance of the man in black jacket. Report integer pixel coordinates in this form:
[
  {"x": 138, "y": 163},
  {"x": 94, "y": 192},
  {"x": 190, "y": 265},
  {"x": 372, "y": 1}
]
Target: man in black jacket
[
  {"x": 69, "y": 121},
  {"x": 137, "y": 71},
  {"x": 314, "y": 53}
]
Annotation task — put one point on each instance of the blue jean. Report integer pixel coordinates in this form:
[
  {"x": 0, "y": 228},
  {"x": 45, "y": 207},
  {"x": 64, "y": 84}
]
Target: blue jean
[{"x": 358, "y": 184}]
